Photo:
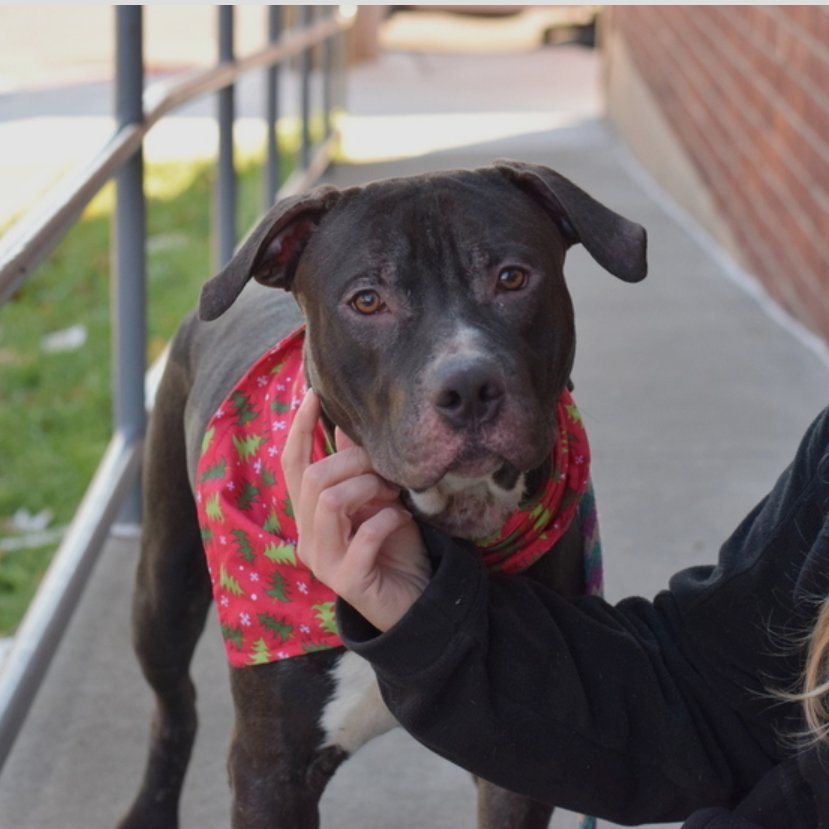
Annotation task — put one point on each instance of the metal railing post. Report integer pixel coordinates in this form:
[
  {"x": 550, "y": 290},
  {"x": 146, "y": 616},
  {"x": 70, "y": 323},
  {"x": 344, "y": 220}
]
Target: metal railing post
[
  {"x": 305, "y": 94},
  {"x": 226, "y": 174},
  {"x": 337, "y": 69},
  {"x": 327, "y": 83},
  {"x": 129, "y": 289},
  {"x": 272, "y": 166}
]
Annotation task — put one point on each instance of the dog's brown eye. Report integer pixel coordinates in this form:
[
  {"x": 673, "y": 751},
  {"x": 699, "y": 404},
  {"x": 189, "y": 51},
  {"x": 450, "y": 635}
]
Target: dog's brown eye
[
  {"x": 512, "y": 279},
  {"x": 367, "y": 302}
]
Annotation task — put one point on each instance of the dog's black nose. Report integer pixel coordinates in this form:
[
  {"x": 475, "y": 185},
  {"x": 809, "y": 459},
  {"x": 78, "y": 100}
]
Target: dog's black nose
[{"x": 468, "y": 395}]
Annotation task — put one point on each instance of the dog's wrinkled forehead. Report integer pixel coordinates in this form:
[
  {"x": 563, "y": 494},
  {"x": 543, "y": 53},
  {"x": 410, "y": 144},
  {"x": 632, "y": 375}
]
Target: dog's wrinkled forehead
[{"x": 451, "y": 223}]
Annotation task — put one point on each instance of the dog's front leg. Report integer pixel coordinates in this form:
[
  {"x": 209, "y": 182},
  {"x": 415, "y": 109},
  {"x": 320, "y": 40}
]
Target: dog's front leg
[
  {"x": 279, "y": 764},
  {"x": 501, "y": 809}
]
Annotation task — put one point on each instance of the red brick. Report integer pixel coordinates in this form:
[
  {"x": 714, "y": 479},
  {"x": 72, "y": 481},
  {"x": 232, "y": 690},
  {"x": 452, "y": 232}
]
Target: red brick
[{"x": 742, "y": 87}]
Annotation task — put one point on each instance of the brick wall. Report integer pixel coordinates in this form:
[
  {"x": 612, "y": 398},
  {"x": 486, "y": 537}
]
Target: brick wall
[{"x": 745, "y": 91}]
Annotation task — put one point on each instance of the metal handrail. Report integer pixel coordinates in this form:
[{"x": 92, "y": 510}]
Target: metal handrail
[
  {"x": 39, "y": 634},
  {"x": 33, "y": 238}
]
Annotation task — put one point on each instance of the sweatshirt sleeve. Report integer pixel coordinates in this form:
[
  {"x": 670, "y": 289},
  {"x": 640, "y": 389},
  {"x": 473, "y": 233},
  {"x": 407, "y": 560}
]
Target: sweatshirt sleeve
[{"x": 572, "y": 701}]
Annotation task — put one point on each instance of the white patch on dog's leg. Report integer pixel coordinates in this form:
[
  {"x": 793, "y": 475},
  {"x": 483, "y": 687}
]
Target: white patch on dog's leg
[{"x": 355, "y": 713}]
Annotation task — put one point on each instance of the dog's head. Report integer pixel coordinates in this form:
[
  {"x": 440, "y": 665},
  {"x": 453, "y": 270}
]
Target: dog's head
[{"x": 439, "y": 327}]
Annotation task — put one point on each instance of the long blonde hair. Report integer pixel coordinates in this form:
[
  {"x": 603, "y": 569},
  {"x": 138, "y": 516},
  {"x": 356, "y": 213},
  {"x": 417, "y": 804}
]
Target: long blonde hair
[{"x": 815, "y": 694}]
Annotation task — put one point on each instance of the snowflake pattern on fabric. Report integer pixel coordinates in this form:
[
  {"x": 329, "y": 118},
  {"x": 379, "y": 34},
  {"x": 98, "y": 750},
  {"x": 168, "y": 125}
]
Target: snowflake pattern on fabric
[{"x": 270, "y": 605}]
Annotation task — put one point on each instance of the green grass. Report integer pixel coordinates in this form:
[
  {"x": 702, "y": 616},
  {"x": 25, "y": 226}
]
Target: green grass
[{"x": 55, "y": 408}]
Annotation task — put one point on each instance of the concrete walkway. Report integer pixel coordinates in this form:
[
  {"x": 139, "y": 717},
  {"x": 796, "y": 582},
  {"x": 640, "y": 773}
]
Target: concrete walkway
[{"x": 694, "y": 398}]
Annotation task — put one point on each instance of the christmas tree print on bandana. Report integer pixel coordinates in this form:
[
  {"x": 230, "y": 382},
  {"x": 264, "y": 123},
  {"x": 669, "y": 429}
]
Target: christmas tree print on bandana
[{"x": 270, "y": 605}]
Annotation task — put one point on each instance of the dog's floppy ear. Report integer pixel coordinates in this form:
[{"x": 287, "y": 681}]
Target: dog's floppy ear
[
  {"x": 616, "y": 243},
  {"x": 271, "y": 252}
]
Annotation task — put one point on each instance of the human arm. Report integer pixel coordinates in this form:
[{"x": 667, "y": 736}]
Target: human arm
[{"x": 570, "y": 701}]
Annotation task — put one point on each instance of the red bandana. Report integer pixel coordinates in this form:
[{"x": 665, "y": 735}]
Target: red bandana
[
  {"x": 538, "y": 524},
  {"x": 270, "y": 605}
]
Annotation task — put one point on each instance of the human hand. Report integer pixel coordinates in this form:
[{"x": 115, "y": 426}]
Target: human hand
[{"x": 354, "y": 533}]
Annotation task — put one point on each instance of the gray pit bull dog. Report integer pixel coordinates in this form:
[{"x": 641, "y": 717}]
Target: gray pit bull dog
[{"x": 439, "y": 336}]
